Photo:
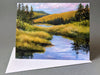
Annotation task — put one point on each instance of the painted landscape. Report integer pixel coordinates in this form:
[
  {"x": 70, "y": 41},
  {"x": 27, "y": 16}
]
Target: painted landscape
[{"x": 53, "y": 31}]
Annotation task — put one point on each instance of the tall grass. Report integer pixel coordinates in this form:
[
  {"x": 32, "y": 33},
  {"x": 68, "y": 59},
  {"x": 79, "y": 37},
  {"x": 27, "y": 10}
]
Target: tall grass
[
  {"x": 40, "y": 34},
  {"x": 68, "y": 30},
  {"x": 35, "y": 41},
  {"x": 36, "y": 38}
]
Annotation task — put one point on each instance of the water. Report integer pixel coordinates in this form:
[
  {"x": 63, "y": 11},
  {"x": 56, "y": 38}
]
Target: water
[
  {"x": 63, "y": 49},
  {"x": 44, "y": 25}
]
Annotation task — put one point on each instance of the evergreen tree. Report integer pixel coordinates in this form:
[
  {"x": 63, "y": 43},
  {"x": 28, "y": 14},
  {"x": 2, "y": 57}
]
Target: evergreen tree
[
  {"x": 27, "y": 14},
  {"x": 23, "y": 8},
  {"x": 19, "y": 12},
  {"x": 26, "y": 8},
  {"x": 19, "y": 9},
  {"x": 31, "y": 15},
  {"x": 79, "y": 14},
  {"x": 86, "y": 14},
  {"x": 80, "y": 7},
  {"x": 23, "y": 13}
]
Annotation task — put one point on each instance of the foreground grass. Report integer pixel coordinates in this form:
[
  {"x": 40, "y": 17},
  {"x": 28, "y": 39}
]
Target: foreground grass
[{"x": 35, "y": 41}]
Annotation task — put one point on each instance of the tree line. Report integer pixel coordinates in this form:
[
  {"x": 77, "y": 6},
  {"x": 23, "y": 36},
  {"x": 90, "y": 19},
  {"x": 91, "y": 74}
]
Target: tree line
[{"x": 24, "y": 14}]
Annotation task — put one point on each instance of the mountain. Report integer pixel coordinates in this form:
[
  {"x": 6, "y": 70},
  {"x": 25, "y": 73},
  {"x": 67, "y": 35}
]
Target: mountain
[
  {"x": 42, "y": 12},
  {"x": 65, "y": 15},
  {"x": 38, "y": 14}
]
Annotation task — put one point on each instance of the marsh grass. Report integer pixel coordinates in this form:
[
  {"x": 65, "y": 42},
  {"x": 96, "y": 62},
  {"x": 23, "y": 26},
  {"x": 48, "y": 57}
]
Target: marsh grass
[
  {"x": 34, "y": 38},
  {"x": 68, "y": 30},
  {"x": 40, "y": 34},
  {"x": 35, "y": 41}
]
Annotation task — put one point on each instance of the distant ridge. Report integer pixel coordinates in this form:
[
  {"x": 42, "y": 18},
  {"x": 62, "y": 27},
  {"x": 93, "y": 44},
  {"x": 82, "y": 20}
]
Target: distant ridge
[
  {"x": 42, "y": 12},
  {"x": 39, "y": 14}
]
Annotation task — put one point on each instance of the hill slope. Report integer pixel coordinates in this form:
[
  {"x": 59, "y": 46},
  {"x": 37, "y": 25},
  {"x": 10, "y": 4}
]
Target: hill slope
[
  {"x": 65, "y": 15},
  {"x": 38, "y": 14},
  {"x": 42, "y": 12}
]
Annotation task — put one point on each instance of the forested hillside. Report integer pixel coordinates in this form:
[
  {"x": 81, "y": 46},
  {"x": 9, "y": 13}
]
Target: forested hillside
[{"x": 64, "y": 16}]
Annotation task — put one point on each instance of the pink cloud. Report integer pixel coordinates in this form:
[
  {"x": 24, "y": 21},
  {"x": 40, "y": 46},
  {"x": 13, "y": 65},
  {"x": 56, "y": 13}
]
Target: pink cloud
[
  {"x": 62, "y": 7},
  {"x": 57, "y": 5}
]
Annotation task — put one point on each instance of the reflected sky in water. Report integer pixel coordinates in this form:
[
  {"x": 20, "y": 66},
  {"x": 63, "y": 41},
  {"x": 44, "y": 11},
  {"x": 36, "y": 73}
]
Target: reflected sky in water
[
  {"x": 44, "y": 25},
  {"x": 62, "y": 49}
]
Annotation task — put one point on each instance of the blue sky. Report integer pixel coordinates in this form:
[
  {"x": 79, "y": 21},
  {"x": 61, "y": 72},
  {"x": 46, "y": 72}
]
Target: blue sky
[{"x": 53, "y": 8}]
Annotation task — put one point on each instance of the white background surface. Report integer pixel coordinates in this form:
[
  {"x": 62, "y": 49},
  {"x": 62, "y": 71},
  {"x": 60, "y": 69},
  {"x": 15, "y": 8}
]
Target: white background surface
[{"x": 18, "y": 65}]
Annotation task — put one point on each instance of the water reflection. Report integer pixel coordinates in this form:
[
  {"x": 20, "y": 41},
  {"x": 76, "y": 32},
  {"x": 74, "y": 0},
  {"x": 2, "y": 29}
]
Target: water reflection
[
  {"x": 44, "y": 25},
  {"x": 25, "y": 55},
  {"x": 81, "y": 43},
  {"x": 63, "y": 48}
]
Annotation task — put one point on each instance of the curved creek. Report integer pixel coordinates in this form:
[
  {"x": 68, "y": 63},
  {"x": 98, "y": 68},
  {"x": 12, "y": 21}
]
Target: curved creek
[{"x": 62, "y": 50}]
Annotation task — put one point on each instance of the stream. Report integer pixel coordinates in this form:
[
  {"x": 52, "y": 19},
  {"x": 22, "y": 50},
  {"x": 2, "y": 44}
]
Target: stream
[{"x": 62, "y": 49}]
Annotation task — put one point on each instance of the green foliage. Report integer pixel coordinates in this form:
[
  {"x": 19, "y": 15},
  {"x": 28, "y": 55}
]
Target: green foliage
[
  {"x": 85, "y": 23},
  {"x": 24, "y": 14},
  {"x": 82, "y": 13},
  {"x": 57, "y": 21},
  {"x": 27, "y": 27}
]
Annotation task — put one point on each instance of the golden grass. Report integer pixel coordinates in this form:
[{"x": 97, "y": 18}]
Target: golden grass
[
  {"x": 65, "y": 15},
  {"x": 32, "y": 37},
  {"x": 32, "y": 40},
  {"x": 35, "y": 37},
  {"x": 27, "y": 46},
  {"x": 64, "y": 29},
  {"x": 40, "y": 34},
  {"x": 69, "y": 29}
]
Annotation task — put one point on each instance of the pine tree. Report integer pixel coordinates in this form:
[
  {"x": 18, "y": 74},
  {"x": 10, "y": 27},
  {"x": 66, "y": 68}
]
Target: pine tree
[
  {"x": 31, "y": 15},
  {"x": 26, "y": 7},
  {"x": 19, "y": 12},
  {"x": 86, "y": 14},
  {"x": 19, "y": 9},
  {"x": 23, "y": 8},
  {"x": 27, "y": 14},
  {"x": 23, "y": 13},
  {"x": 79, "y": 14},
  {"x": 80, "y": 7}
]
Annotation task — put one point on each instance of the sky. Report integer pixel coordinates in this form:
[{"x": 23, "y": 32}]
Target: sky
[{"x": 53, "y": 8}]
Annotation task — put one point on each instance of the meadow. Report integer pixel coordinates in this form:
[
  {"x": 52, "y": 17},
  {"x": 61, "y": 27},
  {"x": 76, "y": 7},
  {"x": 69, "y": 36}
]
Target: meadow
[
  {"x": 40, "y": 32},
  {"x": 32, "y": 37},
  {"x": 33, "y": 41}
]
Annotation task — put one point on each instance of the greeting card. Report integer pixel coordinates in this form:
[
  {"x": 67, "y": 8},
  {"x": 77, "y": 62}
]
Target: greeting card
[{"x": 50, "y": 35}]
